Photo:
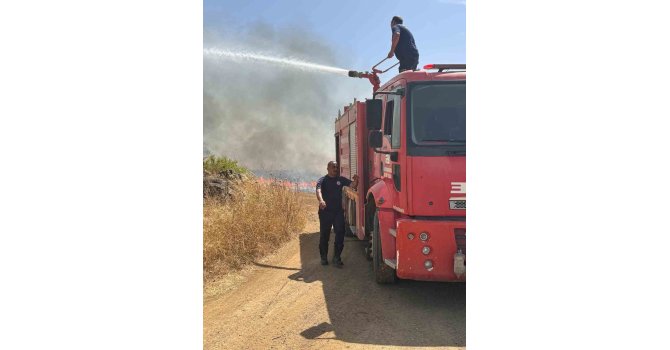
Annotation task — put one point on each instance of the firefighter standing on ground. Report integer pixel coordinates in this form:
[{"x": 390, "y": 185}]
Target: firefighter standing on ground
[
  {"x": 331, "y": 213},
  {"x": 402, "y": 44}
]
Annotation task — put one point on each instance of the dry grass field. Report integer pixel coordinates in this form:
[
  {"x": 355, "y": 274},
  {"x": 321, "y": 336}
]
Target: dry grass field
[{"x": 254, "y": 223}]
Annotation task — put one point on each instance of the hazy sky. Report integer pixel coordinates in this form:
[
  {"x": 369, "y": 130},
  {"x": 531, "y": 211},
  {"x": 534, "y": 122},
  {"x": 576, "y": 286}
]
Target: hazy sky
[
  {"x": 359, "y": 31},
  {"x": 272, "y": 117}
]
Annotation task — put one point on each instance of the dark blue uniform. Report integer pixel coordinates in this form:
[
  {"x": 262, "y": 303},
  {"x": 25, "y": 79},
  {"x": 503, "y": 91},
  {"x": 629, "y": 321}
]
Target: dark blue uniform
[
  {"x": 333, "y": 214},
  {"x": 406, "y": 51}
]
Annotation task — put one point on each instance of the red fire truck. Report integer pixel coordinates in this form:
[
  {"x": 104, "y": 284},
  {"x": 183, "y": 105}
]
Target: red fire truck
[{"x": 407, "y": 145}]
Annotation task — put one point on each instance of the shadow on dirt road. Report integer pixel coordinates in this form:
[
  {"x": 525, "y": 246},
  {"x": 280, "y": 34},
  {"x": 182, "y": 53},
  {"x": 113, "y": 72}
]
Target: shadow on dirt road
[{"x": 409, "y": 313}]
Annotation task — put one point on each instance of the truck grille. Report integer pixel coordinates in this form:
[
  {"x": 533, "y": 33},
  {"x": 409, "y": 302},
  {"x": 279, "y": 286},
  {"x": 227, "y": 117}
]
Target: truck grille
[{"x": 457, "y": 204}]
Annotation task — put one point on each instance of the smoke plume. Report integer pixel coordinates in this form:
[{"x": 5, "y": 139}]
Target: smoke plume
[{"x": 271, "y": 116}]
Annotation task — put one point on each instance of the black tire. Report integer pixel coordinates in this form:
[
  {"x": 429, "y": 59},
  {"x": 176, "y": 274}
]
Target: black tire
[{"x": 384, "y": 274}]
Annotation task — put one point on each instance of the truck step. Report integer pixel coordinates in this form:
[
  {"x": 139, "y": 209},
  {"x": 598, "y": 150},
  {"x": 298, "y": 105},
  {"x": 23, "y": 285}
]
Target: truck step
[{"x": 390, "y": 262}]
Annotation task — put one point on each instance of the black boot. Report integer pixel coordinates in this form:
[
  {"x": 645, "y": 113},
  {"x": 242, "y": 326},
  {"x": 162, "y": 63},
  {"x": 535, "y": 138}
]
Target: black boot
[
  {"x": 324, "y": 261},
  {"x": 337, "y": 261}
]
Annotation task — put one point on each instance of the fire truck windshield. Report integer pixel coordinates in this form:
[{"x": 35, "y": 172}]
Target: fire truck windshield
[{"x": 436, "y": 116}]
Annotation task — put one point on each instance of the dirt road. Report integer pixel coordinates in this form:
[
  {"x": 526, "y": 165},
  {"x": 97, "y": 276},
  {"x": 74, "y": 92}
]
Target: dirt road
[{"x": 290, "y": 301}]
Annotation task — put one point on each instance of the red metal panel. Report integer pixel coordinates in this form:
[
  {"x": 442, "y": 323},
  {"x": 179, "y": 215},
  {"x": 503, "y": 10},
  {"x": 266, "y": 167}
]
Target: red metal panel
[
  {"x": 363, "y": 183},
  {"x": 410, "y": 76},
  {"x": 433, "y": 181},
  {"x": 344, "y": 152},
  {"x": 342, "y": 126},
  {"x": 381, "y": 195},
  {"x": 442, "y": 242}
]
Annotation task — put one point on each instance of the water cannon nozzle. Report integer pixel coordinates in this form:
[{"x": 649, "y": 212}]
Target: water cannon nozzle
[{"x": 374, "y": 79}]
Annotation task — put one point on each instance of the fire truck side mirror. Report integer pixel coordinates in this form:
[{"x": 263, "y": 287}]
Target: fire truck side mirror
[
  {"x": 375, "y": 138},
  {"x": 373, "y": 114}
]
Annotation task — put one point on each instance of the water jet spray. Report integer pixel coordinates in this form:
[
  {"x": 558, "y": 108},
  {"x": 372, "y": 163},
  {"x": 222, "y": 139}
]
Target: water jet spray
[{"x": 283, "y": 61}]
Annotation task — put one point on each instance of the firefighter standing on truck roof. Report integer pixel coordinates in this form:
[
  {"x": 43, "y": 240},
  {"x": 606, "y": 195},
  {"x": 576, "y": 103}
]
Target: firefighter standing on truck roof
[
  {"x": 402, "y": 44},
  {"x": 331, "y": 213}
]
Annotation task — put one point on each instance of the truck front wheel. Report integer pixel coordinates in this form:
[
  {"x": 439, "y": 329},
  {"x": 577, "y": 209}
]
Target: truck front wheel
[{"x": 383, "y": 273}]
